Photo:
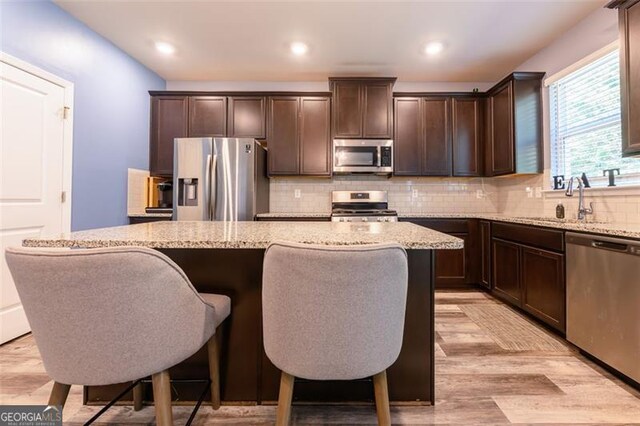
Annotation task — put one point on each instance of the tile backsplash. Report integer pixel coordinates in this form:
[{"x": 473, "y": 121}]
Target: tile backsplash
[
  {"x": 415, "y": 195},
  {"x": 514, "y": 195},
  {"x": 614, "y": 205}
]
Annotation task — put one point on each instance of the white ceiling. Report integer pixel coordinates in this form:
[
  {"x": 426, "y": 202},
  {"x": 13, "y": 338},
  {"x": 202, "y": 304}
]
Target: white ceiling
[{"x": 242, "y": 40}]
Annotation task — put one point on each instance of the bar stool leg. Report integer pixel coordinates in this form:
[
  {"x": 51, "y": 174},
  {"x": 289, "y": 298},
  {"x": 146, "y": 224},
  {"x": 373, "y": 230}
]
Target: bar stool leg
[
  {"x": 214, "y": 371},
  {"x": 382, "y": 398},
  {"x": 284, "y": 399},
  {"x": 162, "y": 398},
  {"x": 59, "y": 394},
  {"x": 137, "y": 397}
]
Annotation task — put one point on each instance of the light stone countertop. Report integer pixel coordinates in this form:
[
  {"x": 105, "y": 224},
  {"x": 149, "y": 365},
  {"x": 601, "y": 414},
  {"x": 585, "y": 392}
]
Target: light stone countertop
[
  {"x": 324, "y": 215},
  {"x": 253, "y": 235},
  {"x": 602, "y": 228},
  {"x": 150, "y": 215}
]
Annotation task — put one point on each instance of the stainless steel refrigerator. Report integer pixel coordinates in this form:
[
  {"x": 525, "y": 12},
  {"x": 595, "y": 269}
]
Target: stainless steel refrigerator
[{"x": 219, "y": 179}]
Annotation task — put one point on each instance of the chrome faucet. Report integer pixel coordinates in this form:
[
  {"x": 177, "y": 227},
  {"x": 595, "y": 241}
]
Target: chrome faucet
[{"x": 582, "y": 210}]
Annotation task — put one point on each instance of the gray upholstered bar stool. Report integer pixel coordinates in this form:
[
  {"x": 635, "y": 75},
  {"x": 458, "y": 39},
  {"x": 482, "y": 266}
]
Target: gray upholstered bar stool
[
  {"x": 114, "y": 315},
  {"x": 333, "y": 313}
]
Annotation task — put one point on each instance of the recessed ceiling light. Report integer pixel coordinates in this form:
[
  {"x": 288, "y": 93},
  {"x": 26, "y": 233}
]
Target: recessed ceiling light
[
  {"x": 298, "y": 48},
  {"x": 165, "y": 48},
  {"x": 434, "y": 48}
]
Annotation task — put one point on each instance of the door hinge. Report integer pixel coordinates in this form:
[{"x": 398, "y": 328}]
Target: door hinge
[
  {"x": 65, "y": 113},
  {"x": 63, "y": 197}
]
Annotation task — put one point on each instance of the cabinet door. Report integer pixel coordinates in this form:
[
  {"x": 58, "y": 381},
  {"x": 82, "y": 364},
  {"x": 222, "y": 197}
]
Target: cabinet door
[
  {"x": 347, "y": 109},
  {"x": 451, "y": 266},
  {"x": 283, "y": 138},
  {"x": 207, "y": 116},
  {"x": 467, "y": 116},
  {"x": 630, "y": 78},
  {"x": 168, "y": 121},
  {"x": 437, "y": 133},
  {"x": 485, "y": 254},
  {"x": 543, "y": 286},
  {"x": 502, "y": 142},
  {"x": 506, "y": 271},
  {"x": 315, "y": 136},
  {"x": 378, "y": 118},
  {"x": 246, "y": 117},
  {"x": 408, "y": 139}
]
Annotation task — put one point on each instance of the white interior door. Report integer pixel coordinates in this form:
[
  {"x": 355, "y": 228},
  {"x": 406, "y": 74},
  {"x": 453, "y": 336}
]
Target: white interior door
[{"x": 31, "y": 175}]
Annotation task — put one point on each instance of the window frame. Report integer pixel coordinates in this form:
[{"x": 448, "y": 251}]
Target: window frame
[{"x": 556, "y": 155}]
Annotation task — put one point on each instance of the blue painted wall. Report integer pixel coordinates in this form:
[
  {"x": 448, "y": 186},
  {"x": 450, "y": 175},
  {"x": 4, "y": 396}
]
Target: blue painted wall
[{"x": 111, "y": 105}]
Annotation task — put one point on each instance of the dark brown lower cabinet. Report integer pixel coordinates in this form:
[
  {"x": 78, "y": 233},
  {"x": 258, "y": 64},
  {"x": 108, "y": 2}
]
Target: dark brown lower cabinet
[
  {"x": 543, "y": 285},
  {"x": 530, "y": 277},
  {"x": 133, "y": 220},
  {"x": 485, "y": 253},
  {"x": 454, "y": 268},
  {"x": 506, "y": 269},
  {"x": 451, "y": 266}
]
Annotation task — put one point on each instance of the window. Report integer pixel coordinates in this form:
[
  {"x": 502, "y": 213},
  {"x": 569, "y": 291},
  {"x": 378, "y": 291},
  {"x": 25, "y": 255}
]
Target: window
[{"x": 585, "y": 124}]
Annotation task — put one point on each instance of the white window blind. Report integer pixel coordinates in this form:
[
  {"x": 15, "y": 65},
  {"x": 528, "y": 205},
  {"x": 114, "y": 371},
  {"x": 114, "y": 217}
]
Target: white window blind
[{"x": 585, "y": 124}]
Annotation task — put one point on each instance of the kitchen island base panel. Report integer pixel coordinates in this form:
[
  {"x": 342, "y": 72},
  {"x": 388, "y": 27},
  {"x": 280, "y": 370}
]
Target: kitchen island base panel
[{"x": 247, "y": 375}]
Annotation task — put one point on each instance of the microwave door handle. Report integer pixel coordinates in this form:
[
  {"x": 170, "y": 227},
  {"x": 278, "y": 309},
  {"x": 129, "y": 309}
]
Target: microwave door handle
[{"x": 379, "y": 155}]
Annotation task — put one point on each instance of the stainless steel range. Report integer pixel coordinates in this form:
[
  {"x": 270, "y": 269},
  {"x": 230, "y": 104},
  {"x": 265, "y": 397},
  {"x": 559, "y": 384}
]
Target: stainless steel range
[{"x": 361, "y": 206}]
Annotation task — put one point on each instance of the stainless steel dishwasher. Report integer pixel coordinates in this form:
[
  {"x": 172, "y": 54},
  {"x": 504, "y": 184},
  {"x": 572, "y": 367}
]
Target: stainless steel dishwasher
[{"x": 603, "y": 299}]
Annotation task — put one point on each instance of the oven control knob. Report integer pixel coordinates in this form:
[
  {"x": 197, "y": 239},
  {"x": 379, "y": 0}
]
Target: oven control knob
[
  {"x": 380, "y": 219},
  {"x": 364, "y": 219}
]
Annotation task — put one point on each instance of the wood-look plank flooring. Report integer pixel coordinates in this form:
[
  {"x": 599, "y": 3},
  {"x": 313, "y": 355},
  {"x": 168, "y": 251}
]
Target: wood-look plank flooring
[{"x": 482, "y": 377}]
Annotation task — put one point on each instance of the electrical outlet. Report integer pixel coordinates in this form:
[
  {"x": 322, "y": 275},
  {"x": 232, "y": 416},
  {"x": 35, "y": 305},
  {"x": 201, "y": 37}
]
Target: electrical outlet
[
  {"x": 538, "y": 192},
  {"x": 479, "y": 193},
  {"x": 529, "y": 192},
  {"x": 296, "y": 193},
  {"x": 414, "y": 193}
]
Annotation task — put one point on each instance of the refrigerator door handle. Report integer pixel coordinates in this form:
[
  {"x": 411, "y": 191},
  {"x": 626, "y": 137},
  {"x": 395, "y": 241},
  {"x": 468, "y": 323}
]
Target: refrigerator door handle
[
  {"x": 208, "y": 187},
  {"x": 212, "y": 187}
]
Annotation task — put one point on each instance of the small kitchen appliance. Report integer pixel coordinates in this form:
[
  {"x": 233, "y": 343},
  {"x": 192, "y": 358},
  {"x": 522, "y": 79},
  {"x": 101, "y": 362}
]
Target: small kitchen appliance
[{"x": 361, "y": 206}]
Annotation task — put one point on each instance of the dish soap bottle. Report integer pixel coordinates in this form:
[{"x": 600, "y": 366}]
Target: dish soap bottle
[{"x": 560, "y": 211}]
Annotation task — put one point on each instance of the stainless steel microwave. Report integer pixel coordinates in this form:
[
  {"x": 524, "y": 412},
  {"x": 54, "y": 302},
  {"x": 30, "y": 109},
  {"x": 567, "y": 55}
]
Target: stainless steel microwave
[{"x": 374, "y": 156}]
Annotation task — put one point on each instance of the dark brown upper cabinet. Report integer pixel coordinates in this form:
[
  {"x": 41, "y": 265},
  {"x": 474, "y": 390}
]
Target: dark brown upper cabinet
[
  {"x": 168, "y": 121},
  {"x": 467, "y": 136},
  {"x": 246, "y": 117},
  {"x": 363, "y": 108},
  {"x": 283, "y": 136},
  {"x": 436, "y": 154},
  {"x": 315, "y": 136},
  {"x": 438, "y": 136},
  {"x": 207, "y": 116},
  {"x": 514, "y": 141},
  {"x": 408, "y": 141},
  {"x": 629, "y": 25},
  {"x": 299, "y": 136}
]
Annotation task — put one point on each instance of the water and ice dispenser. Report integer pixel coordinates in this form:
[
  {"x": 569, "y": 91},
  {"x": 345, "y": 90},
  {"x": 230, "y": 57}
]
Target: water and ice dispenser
[{"x": 188, "y": 192}]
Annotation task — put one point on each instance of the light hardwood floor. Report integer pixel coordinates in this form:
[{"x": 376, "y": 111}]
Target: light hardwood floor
[{"x": 502, "y": 369}]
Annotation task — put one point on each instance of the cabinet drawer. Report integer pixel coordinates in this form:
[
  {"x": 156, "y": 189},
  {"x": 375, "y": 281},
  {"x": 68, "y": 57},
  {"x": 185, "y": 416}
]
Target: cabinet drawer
[
  {"x": 549, "y": 239},
  {"x": 448, "y": 226}
]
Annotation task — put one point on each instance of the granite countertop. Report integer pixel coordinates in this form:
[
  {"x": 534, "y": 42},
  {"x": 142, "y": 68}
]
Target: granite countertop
[
  {"x": 603, "y": 228},
  {"x": 255, "y": 235},
  {"x": 286, "y": 215},
  {"x": 150, "y": 215}
]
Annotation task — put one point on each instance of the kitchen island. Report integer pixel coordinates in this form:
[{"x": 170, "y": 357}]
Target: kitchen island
[{"x": 226, "y": 258}]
